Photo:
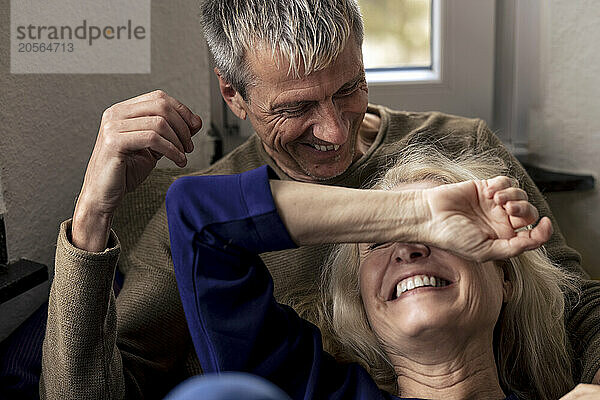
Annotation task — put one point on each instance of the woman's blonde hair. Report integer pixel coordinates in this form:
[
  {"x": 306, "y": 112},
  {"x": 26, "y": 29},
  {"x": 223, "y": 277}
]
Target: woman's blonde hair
[{"x": 530, "y": 344}]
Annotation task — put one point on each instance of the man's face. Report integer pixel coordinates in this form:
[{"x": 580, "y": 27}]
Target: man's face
[{"x": 309, "y": 126}]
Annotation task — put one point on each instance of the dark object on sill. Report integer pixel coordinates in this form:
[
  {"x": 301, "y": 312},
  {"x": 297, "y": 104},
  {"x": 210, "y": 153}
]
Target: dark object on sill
[
  {"x": 19, "y": 277},
  {"x": 551, "y": 181}
]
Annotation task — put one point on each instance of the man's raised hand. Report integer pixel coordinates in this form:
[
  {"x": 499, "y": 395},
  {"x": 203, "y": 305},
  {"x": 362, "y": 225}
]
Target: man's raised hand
[{"x": 134, "y": 134}]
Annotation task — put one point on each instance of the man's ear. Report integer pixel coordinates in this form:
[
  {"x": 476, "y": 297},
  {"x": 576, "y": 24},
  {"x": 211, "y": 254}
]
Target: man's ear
[{"x": 231, "y": 96}]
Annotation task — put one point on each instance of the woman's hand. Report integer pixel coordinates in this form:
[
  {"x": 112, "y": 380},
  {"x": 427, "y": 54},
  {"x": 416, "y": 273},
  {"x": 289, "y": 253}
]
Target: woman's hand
[
  {"x": 484, "y": 220},
  {"x": 583, "y": 392}
]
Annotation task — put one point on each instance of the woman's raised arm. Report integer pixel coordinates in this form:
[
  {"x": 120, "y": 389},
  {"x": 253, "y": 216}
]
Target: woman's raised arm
[{"x": 475, "y": 219}]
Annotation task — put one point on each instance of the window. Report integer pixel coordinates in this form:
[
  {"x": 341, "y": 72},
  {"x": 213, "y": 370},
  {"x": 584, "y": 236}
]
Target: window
[
  {"x": 401, "y": 42},
  {"x": 458, "y": 36},
  {"x": 399, "y": 45}
]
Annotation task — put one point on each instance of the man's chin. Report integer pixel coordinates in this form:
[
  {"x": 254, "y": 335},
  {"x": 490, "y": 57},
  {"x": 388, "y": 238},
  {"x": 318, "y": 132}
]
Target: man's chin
[
  {"x": 322, "y": 171},
  {"x": 325, "y": 172}
]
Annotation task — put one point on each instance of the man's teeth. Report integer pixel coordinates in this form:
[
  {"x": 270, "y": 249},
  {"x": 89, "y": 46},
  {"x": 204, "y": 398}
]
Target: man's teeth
[
  {"x": 333, "y": 147},
  {"x": 417, "y": 281}
]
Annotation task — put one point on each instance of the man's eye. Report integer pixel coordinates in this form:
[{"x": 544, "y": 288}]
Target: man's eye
[
  {"x": 347, "y": 92},
  {"x": 293, "y": 111}
]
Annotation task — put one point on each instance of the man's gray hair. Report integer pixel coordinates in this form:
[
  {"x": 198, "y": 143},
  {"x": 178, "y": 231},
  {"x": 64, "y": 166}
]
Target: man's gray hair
[{"x": 308, "y": 34}]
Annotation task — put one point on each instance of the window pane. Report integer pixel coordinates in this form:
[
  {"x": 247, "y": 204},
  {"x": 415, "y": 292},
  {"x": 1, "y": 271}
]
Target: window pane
[{"x": 397, "y": 33}]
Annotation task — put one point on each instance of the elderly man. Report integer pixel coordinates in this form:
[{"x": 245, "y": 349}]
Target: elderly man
[{"x": 294, "y": 68}]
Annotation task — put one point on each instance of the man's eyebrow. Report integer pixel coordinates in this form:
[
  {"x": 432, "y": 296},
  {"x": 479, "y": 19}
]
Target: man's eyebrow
[
  {"x": 290, "y": 104},
  {"x": 354, "y": 81}
]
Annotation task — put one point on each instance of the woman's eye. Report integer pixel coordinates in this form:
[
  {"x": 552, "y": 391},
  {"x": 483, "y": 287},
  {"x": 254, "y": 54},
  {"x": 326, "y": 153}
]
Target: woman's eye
[{"x": 375, "y": 245}]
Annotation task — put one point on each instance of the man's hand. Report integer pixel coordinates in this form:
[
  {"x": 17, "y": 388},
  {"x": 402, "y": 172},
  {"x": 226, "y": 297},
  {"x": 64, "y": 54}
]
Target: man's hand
[
  {"x": 134, "y": 134},
  {"x": 583, "y": 392},
  {"x": 478, "y": 219}
]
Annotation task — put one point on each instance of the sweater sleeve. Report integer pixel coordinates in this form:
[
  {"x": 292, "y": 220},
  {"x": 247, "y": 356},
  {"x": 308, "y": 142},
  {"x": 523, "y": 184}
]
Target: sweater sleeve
[
  {"x": 582, "y": 317},
  {"x": 98, "y": 346},
  {"x": 218, "y": 225},
  {"x": 76, "y": 341}
]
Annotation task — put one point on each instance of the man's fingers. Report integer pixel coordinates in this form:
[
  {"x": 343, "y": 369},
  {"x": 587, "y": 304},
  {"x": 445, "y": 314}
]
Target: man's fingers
[
  {"x": 159, "y": 108},
  {"x": 194, "y": 121},
  {"x": 141, "y": 97},
  {"x": 158, "y": 145},
  {"x": 153, "y": 123},
  {"x": 159, "y": 98}
]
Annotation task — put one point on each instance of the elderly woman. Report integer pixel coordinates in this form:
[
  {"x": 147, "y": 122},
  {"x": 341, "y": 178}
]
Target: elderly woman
[{"x": 415, "y": 320}]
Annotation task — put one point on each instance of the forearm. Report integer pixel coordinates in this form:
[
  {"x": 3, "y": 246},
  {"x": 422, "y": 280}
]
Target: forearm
[{"x": 316, "y": 214}]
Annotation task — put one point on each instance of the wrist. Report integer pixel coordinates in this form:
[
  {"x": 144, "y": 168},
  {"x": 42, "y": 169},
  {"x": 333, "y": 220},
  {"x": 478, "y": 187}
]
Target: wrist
[
  {"x": 405, "y": 216},
  {"x": 90, "y": 228},
  {"x": 425, "y": 199}
]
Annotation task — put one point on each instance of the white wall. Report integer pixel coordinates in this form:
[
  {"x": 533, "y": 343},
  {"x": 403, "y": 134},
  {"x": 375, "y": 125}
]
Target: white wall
[
  {"x": 565, "y": 127},
  {"x": 49, "y": 124}
]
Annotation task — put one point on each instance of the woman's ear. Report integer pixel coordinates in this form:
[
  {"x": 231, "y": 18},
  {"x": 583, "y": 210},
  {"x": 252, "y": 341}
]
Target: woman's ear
[{"x": 231, "y": 96}]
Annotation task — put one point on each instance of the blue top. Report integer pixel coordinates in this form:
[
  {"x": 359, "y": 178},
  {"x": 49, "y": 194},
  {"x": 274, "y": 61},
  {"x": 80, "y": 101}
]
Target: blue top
[{"x": 218, "y": 225}]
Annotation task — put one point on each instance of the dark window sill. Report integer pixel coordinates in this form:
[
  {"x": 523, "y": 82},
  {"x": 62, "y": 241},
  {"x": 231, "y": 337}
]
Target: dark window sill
[
  {"x": 552, "y": 181},
  {"x": 20, "y": 276}
]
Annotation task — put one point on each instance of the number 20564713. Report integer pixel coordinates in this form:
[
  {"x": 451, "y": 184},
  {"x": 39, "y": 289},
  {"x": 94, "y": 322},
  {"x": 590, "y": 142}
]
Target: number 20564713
[{"x": 43, "y": 47}]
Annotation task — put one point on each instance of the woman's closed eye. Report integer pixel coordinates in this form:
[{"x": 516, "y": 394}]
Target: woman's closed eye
[{"x": 374, "y": 246}]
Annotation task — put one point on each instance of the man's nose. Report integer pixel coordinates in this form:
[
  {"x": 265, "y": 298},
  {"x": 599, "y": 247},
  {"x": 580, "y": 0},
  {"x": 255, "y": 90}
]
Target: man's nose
[
  {"x": 410, "y": 252},
  {"x": 331, "y": 127}
]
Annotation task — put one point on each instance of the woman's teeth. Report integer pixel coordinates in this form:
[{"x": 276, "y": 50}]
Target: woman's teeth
[
  {"x": 333, "y": 147},
  {"x": 417, "y": 281}
]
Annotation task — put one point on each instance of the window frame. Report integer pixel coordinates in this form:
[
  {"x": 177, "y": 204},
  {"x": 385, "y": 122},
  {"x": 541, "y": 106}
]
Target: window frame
[
  {"x": 461, "y": 79},
  {"x": 431, "y": 74}
]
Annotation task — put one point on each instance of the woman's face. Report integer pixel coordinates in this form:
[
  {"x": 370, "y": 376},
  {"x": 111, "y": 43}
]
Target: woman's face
[{"x": 413, "y": 292}]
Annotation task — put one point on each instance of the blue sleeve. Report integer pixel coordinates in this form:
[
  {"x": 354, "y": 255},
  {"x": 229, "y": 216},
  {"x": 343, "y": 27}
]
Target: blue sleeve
[{"x": 218, "y": 225}]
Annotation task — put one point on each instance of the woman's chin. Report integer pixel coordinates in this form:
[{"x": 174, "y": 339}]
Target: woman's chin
[
  {"x": 426, "y": 321},
  {"x": 428, "y": 325}
]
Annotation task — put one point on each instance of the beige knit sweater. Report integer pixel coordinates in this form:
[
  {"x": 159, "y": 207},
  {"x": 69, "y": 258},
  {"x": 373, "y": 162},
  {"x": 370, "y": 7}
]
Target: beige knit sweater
[{"x": 138, "y": 345}]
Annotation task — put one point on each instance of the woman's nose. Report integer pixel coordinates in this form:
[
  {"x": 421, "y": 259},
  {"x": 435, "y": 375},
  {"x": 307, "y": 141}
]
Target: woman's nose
[{"x": 410, "y": 252}]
